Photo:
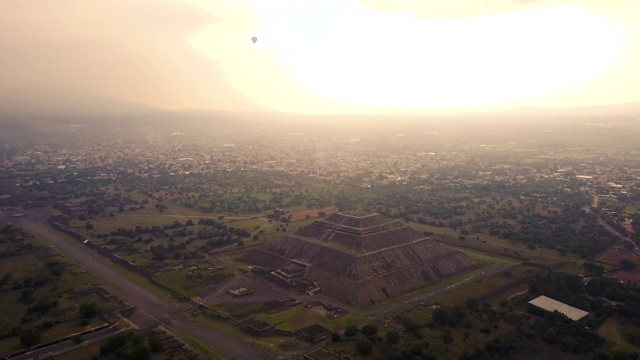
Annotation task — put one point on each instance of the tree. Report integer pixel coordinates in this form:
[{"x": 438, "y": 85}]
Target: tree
[
  {"x": 155, "y": 344},
  {"x": 6, "y": 278},
  {"x": 369, "y": 330},
  {"x": 593, "y": 268},
  {"x": 113, "y": 344},
  {"x": 417, "y": 348},
  {"x": 440, "y": 316},
  {"x": 446, "y": 337},
  {"x": 392, "y": 336},
  {"x": 627, "y": 264},
  {"x": 364, "y": 347},
  {"x": 29, "y": 337},
  {"x": 140, "y": 352},
  {"x": 55, "y": 268},
  {"x": 472, "y": 304},
  {"x": 26, "y": 295},
  {"x": 89, "y": 310},
  {"x": 601, "y": 355},
  {"x": 411, "y": 326},
  {"x": 351, "y": 330}
]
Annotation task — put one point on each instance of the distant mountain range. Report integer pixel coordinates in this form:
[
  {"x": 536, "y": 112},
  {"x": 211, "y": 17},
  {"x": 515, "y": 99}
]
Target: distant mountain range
[
  {"x": 623, "y": 109},
  {"x": 65, "y": 103},
  {"x": 56, "y": 103}
]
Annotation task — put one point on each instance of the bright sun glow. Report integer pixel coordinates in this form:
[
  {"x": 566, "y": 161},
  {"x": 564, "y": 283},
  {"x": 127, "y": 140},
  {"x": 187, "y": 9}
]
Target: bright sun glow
[{"x": 344, "y": 51}]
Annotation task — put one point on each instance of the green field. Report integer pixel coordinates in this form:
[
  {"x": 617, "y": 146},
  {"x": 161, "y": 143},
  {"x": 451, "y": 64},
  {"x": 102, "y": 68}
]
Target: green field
[
  {"x": 249, "y": 224},
  {"x": 492, "y": 259},
  {"x": 618, "y": 332},
  {"x": 192, "y": 283},
  {"x": 41, "y": 276},
  {"x": 298, "y": 317}
]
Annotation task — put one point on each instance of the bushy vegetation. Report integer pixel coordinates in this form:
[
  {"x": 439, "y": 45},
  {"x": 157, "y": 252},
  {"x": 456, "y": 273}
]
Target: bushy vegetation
[
  {"x": 602, "y": 296},
  {"x": 129, "y": 346}
]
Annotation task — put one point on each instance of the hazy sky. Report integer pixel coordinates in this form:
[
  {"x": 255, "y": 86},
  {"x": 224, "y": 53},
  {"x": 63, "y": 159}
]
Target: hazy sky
[{"x": 327, "y": 56}]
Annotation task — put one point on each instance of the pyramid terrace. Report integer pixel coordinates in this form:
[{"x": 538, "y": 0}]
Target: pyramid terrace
[{"x": 358, "y": 257}]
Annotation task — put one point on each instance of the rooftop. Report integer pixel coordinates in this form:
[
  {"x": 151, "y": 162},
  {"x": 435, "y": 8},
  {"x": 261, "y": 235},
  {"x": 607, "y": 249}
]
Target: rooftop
[{"x": 551, "y": 305}]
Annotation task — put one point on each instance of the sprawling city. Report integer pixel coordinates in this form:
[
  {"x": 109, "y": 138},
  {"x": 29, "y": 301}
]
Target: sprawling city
[{"x": 418, "y": 238}]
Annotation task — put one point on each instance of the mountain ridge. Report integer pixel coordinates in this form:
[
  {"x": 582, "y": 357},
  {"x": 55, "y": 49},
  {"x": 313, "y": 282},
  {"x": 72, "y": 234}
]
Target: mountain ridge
[{"x": 65, "y": 103}]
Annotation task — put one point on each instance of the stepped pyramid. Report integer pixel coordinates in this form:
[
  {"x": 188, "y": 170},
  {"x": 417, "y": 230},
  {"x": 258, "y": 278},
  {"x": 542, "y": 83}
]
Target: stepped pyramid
[{"x": 362, "y": 258}]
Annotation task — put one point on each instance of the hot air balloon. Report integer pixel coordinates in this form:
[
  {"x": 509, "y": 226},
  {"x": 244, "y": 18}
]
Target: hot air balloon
[{"x": 254, "y": 39}]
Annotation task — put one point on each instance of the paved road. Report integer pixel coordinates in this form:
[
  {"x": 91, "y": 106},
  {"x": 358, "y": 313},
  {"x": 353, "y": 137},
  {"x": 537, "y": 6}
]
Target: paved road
[
  {"x": 623, "y": 238},
  {"x": 162, "y": 309},
  {"x": 67, "y": 345}
]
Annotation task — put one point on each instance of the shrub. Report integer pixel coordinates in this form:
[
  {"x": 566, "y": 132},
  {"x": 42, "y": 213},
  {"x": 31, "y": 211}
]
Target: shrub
[
  {"x": 29, "y": 337},
  {"x": 351, "y": 330},
  {"x": 369, "y": 330},
  {"x": 364, "y": 347},
  {"x": 89, "y": 310},
  {"x": 392, "y": 336}
]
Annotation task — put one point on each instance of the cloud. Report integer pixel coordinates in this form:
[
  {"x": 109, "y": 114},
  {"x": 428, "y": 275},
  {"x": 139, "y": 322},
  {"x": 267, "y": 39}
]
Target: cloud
[
  {"x": 354, "y": 54},
  {"x": 322, "y": 56},
  {"x": 135, "y": 50}
]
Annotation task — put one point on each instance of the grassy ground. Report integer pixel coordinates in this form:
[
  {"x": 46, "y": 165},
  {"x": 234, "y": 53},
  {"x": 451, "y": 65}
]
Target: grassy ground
[
  {"x": 299, "y": 317},
  {"x": 271, "y": 342},
  {"x": 9, "y": 345},
  {"x": 296, "y": 225},
  {"x": 190, "y": 283},
  {"x": 494, "y": 287},
  {"x": 83, "y": 353},
  {"x": 195, "y": 344},
  {"x": 433, "y": 286},
  {"x": 627, "y": 208},
  {"x": 249, "y": 224},
  {"x": 631, "y": 209},
  {"x": 492, "y": 259},
  {"x": 618, "y": 331},
  {"x": 496, "y": 245},
  {"x": 572, "y": 268},
  {"x": 146, "y": 218},
  {"x": 271, "y": 233},
  {"x": 64, "y": 318},
  {"x": 91, "y": 351}
]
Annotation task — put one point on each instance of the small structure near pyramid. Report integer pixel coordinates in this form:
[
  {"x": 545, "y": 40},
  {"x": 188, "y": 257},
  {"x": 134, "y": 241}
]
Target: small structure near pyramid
[{"x": 359, "y": 257}]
